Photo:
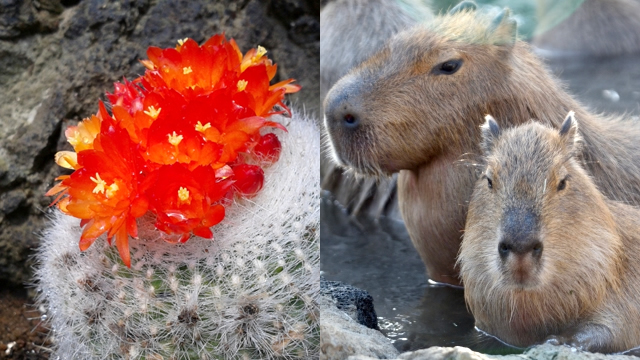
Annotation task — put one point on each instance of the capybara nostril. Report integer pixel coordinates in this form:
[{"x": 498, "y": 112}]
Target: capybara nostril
[
  {"x": 520, "y": 247},
  {"x": 504, "y": 249},
  {"x": 351, "y": 121},
  {"x": 343, "y": 105},
  {"x": 537, "y": 249}
]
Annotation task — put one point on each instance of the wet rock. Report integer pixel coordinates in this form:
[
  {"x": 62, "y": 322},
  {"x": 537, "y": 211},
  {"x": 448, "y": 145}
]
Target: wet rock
[
  {"x": 541, "y": 352},
  {"x": 356, "y": 303},
  {"x": 59, "y": 57},
  {"x": 341, "y": 336}
]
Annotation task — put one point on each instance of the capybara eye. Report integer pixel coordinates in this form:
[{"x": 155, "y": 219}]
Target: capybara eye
[
  {"x": 449, "y": 67},
  {"x": 563, "y": 183}
]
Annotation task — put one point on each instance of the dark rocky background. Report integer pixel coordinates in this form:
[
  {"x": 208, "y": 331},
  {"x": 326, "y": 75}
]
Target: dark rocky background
[{"x": 59, "y": 57}]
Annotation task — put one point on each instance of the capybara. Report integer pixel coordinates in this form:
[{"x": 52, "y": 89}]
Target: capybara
[
  {"x": 351, "y": 31},
  {"x": 545, "y": 254},
  {"x": 416, "y": 106},
  {"x": 597, "y": 27}
]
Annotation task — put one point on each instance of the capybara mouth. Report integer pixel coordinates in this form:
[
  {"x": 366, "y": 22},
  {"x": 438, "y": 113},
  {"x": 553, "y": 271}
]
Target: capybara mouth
[
  {"x": 521, "y": 272},
  {"x": 351, "y": 153}
]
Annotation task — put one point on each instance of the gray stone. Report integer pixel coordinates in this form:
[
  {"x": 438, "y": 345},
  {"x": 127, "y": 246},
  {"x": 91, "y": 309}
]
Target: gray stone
[
  {"x": 341, "y": 336},
  {"x": 58, "y": 58},
  {"x": 356, "y": 303},
  {"x": 541, "y": 352}
]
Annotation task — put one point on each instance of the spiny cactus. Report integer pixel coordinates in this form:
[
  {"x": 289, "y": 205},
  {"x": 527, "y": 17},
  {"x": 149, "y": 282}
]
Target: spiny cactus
[{"x": 248, "y": 293}]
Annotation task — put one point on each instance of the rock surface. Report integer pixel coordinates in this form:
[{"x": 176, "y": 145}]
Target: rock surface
[
  {"x": 356, "y": 303},
  {"x": 341, "y": 336},
  {"x": 59, "y": 57},
  {"x": 541, "y": 352}
]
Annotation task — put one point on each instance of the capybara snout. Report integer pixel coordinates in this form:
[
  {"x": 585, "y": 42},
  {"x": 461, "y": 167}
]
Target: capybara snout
[{"x": 520, "y": 235}]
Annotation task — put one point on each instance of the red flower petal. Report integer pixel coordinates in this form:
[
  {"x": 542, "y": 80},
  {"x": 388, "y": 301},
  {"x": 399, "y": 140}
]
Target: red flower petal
[
  {"x": 248, "y": 179},
  {"x": 268, "y": 147}
]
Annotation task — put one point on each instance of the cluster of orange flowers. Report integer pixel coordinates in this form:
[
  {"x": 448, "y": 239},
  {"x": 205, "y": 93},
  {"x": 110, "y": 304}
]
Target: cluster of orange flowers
[{"x": 180, "y": 141}]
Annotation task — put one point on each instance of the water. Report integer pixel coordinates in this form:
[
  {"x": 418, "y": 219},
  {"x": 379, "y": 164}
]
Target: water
[{"x": 378, "y": 256}]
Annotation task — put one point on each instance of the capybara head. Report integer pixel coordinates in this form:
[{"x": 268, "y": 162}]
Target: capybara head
[
  {"x": 411, "y": 100},
  {"x": 540, "y": 244}
]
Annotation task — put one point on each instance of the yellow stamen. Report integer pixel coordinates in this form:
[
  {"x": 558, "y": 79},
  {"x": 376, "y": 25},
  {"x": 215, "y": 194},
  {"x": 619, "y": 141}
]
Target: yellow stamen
[
  {"x": 100, "y": 184},
  {"x": 111, "y": 190},
  {"x": 187, "y": 70},
  {"x": 260, "y": 52},
  {"x": 174, "y": 138},
  {"x": 242, "y": 84},
  {"x": 67, "y": 159},
  {"x": 202, "y": 128},
  {"x": 182, "y": 41},
  {"x": 183, "y": 195},
  {"x": 153, "y": 112}
]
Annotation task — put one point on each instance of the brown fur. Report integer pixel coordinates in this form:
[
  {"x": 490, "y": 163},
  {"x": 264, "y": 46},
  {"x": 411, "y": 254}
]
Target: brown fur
[
  {"x": 420, "y": 123},
  {"x": 585, "y": 286}
]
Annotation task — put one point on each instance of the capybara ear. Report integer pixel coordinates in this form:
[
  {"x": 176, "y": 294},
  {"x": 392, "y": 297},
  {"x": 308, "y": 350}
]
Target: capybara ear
[
  {"x": 569, "y": 131},
  {"x": 503, "y": 29},
  {"x": 463, "y": 6},
  {"x": 490, "y": 133}
]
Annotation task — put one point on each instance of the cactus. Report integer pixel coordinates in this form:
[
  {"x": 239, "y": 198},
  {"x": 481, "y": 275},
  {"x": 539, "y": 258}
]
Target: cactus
[
  {"x": 248, "y": 293},
  {"x": 216, "y": 241}
]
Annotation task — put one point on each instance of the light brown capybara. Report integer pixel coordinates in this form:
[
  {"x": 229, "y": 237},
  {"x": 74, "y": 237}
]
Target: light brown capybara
[
  {"x": 545, "y": 255},
  {"x": 416, "y": 106}
]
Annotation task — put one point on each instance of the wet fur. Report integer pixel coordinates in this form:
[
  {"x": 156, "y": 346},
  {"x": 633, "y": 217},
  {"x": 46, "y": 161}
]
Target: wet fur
[
  {"x": 589, "y": 279},
  {"x": 421, "y": 125}
]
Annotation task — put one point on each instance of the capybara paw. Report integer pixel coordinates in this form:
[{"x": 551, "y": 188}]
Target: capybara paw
[
  {"x": 565, "y": 340},
  {"x": 556, "y": 340},
  {"x": 578, "y": 342}
]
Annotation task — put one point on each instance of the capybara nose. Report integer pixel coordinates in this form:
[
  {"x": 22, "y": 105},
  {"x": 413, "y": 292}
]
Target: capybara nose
[
  {"x": 343, "y": 109},
  {"x": 520, "y": 232},
  {"x": 533, "y": 247}
]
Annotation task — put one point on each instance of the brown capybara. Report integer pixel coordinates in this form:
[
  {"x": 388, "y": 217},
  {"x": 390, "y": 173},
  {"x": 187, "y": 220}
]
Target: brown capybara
[
  {"x": 416, "y": 106},
  {"x": 596, "y": 27},
  {"x": 545, "y": 255}
]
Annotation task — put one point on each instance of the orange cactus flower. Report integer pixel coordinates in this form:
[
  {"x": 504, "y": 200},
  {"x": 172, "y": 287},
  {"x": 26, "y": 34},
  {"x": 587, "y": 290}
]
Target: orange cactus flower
[{"x": 181, "y": 141}]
